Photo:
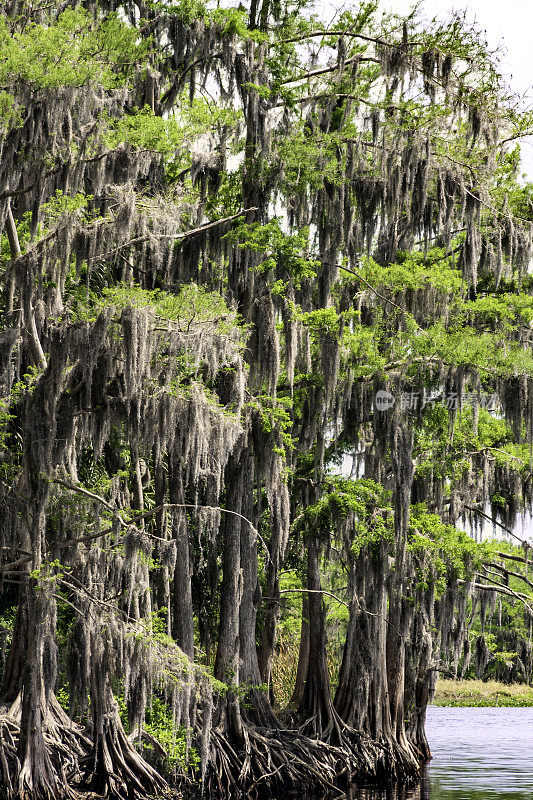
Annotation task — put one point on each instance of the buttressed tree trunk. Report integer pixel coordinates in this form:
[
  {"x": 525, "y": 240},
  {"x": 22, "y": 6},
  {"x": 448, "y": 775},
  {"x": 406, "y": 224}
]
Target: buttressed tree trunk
[
  {"x": 398, "y": 621},
  {"x": 256, "y": 706},
  {"x": 361, "y": 698},
  {"x": 316, "y": 705}
]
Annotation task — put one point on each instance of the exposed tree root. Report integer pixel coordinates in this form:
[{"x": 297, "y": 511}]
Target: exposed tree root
[
  {"x": 265, "y": 763},
  {"x": 76, "y": 767},
  {"x": 396, "y": 764},
  {"x": 65, "y": 743},
  {"x": 113, "y": 768},
  {"x": 278, "y": 762}
]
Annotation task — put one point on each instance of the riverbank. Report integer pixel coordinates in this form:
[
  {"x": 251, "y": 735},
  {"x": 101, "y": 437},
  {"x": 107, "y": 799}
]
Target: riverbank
[{"x": 482, "y": 693}]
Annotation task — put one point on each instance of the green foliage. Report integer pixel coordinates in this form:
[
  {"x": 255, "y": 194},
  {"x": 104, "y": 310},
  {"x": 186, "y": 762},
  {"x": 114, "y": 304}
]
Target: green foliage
[
  {"x": 185, "y": 10},
  {"x": 5, "y": 419},
  {"x": 47, "y": 574},
  {"x": 472, "y": 693},
  {"x": 282, "y": 251},
  {"x": 63, "y": 698},
  {"x": 275, "y": 420},
  {"x": 169, "y": 135},
  {"x": 438, "y": 456},
  {"x": 444, "y": 552},
  {"x": 308, "y": 161},
  {"x": 364, "y": 502},
  {"x": 181, "y": 756},
  {"x": 190, "y": 308},
  {"x": 11, "y": 115},
  {"x": 61, "y": 203},
  {"x": 465, "y": 345},
  {"x": 507, "y": 311},
  {"x": 321, "y": 320},
  {"x": 72, "y": 51},
  {"x": 7, "y": 624},
  {"x": 414, "y": 271},
  {"x": 292, "y": 603}
]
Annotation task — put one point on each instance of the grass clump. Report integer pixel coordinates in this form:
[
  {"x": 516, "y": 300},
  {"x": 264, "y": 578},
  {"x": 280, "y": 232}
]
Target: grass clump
[{"x": 470, "y": 693}]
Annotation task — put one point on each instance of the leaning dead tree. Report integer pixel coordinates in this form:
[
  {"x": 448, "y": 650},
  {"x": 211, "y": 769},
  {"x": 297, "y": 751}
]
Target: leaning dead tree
[{"x": 240, "y": 249}]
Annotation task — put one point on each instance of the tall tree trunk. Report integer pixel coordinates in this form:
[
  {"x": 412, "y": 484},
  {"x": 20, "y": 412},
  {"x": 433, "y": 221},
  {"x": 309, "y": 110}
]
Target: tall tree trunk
[
  {"x": 162, "y": 577},
  {"x": 379, "y": 709},
  {"x": 256, "y": 708},
  {"x": 399, "y": 612},
  {"x": 270, "y": 625},
  {"x": 421, "y": 666},
  {"x": 303, "y": 654},
  {"x": 353, "y": 688},
  {"x": 279, "y": 524},
  {"x": 228, "y": 649},
  {"x": 183, "y": 619},
  {"x": 361, "y": 699},
  {"x": 34, "y": 343},
  {"x": 114, "y": 768},
  {"x": 316, "y": 706},
  {"x": 37, "y": 778},
  {"x": 13, "y": 673}
]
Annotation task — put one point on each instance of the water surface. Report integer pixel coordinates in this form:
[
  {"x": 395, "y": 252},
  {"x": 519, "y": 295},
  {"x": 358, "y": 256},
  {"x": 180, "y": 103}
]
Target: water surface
[{"x": 478, "y": 754}]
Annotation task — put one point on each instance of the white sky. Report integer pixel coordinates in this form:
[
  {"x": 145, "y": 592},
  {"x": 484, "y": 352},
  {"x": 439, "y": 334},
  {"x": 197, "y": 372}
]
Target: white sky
[{"x": 507, "y": 23}]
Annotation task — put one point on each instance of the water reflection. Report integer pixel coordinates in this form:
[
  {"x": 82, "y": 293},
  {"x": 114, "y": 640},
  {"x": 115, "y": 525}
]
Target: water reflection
[
  {"x": 478, "y": 754},
  {"x": 421, "y": 792}
]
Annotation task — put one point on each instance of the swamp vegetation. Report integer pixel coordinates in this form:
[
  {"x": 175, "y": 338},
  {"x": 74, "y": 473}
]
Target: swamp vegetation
[
  {"x": 241, "y": 251},
  {"x": 474, "y": 693}
]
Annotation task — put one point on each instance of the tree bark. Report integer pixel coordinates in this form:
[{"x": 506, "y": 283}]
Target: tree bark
[
  {"x": 37, "y": 778},
  {"x": 34, "y": 343},
  {"x": 16, "y": 658},
  {"x": 228, "y": 648},
  {"x": 361, "y": 699},
  {"x": 183, "y": 619},
  {"x": 256, "y": 708},
  {"x": 114, "y": 768},
  {"x": 303, "y": 655},
  {"x": 316, "y": 706}
]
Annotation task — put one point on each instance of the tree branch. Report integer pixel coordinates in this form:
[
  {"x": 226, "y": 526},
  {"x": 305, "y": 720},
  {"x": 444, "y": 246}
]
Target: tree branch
[
  {"x": 311, "y": 591},
  {"x": 381, "y": 296},
  {"x": 81, "y": 490},
  {"x": 184, "y": 235},
  {"x": 323, "y": 70},
  {"x": 507, "y": 572},
  {"x": 495, "y": 522},
  {"x": 497, "y": 587},
  {"x": 353, "y": 35}
]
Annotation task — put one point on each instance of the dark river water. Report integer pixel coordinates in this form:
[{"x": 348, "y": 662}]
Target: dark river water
[{"x": 478, "y": 754}]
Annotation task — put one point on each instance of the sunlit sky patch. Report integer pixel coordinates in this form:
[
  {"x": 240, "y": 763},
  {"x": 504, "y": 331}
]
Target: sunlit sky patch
[{"x": 507, "y": 27}]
